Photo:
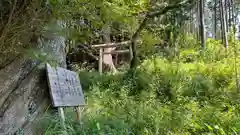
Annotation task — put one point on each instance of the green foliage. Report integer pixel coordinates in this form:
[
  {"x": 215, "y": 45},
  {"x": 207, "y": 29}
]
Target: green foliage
[
  {"x": 188, "y": 95},
  {"x": 18, "y": 30},
  {"x": 40, "y": 56},
  {"x": 86, "y": 19},
  {"x": 189, "y": 55},
  {"x": 186, "y": 41},
  {"x": 187, "y": 91}
]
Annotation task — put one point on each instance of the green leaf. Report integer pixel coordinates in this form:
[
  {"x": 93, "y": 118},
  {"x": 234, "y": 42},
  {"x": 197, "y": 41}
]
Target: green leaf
[{"x": 208, "y": 126}]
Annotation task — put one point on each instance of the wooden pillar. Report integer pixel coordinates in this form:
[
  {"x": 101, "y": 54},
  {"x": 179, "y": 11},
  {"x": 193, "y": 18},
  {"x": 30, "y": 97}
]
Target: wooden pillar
[
  {"x": 100, "y": 61},
  {"x": 130, "y": 52},
  {"x": 78, "y": 111},
  {"x": 116, "y": 59},
  {"x": 61, "y": 113}
]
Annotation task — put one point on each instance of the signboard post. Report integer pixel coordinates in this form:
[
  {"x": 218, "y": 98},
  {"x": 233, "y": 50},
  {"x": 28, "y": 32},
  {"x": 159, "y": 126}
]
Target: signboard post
[{"x": 65, "y": 90}]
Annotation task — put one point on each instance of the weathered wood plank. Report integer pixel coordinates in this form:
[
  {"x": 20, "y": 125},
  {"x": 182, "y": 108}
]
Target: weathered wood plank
[
  {"x": 109, "y": 45},
  {"x": 118, "y": 51}
]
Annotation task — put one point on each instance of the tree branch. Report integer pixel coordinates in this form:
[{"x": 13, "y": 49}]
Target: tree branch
[
  {"x": 149, "y": 15},
  {"x": 165, "y": 10},
  {"x": 4, "y": 31}
]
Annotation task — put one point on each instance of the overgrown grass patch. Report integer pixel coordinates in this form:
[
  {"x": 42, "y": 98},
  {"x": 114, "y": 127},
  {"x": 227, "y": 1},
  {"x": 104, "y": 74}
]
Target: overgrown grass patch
[{"x": 184, "y": 96}]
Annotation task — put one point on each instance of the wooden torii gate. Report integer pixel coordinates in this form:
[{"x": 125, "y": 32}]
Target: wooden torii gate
[{"x": 110, "y": 45}]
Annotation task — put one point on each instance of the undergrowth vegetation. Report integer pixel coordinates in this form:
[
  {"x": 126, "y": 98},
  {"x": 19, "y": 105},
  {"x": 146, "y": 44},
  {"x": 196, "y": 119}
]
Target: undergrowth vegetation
[{"x": 195, "y": 93}]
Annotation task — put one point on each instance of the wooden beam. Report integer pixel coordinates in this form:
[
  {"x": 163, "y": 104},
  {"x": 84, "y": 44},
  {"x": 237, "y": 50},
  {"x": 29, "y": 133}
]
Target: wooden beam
[
  {"x": 117, "y": 52},
  {"x": 111, "y": 45}
]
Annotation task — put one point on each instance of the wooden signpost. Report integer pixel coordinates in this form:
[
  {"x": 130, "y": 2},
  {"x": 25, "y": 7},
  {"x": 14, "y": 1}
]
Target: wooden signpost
[{"x": 65, "y": 90}]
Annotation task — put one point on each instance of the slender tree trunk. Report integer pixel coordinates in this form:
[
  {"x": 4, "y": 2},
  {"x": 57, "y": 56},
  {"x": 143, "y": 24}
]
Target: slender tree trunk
[
  {"x": 191, "y": 22},
  {"x": 23, "y": 87},
  {"x": 223, "y": 23},
  {"x": 198, "y": 20},
  {"x": 135, "y": 37},
  {"x": 230, "y": 13},
  {"x": 232, "y": 10},
  {"x": 226, "y": 14},
  {"x": 233, "y": 17},
  {"x": 215, "y": 18},
  {"x": 202, "y": 24}
]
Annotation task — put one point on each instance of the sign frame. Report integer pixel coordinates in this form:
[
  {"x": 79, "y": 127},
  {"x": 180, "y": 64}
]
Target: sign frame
[{"x": 64, "y": 87}]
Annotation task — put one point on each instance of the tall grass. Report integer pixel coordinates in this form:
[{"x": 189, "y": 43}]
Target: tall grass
[{"x": 189, "y": 95}]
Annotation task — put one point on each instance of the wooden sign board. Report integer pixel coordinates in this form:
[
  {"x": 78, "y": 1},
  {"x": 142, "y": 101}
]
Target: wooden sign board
[{"x": 65, "y": 87}]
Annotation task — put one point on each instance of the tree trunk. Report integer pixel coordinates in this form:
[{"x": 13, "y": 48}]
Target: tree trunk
[
  {"x": 107, "y": 58},
  {"x": 134, "y": 60},
  {"x": 197, "y": 19},
  {"x": 215, "y": 18},
  {"x": 230, "y": 13},
  {"x": 223, "y": 23},
  {"x": 233, "y": 17},
  {"x": 23, "y": 87},
  {"x": 202, "y": 24},
  {"x": 191, "y": 23},
  {"x": 226, "y": 13},
  {"x": 135, "y": 36}
]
